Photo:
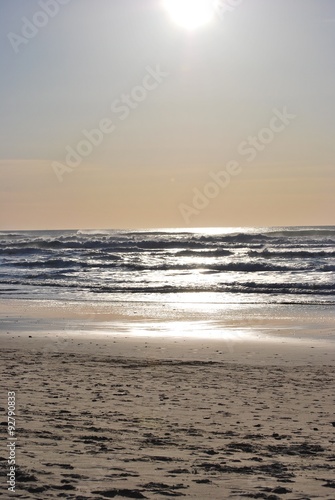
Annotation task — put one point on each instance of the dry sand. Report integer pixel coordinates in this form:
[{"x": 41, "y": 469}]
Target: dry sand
[{"x": 102, "y": 416}]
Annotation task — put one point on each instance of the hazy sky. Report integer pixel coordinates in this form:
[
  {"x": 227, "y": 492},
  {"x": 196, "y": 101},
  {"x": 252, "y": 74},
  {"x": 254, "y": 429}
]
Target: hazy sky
[{"x": 231, "y": 124}]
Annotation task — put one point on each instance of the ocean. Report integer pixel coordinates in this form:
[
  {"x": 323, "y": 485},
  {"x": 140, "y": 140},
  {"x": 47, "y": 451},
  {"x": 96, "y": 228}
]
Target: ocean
[{"x": 287, "y": 265}]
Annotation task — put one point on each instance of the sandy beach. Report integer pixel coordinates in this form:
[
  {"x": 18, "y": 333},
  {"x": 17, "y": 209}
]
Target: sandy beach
[{"x": 105, "y": 413}]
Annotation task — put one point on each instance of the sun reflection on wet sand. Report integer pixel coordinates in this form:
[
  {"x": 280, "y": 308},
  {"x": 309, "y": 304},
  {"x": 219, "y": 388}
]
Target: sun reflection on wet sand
[{"x": 182, "y": 329}]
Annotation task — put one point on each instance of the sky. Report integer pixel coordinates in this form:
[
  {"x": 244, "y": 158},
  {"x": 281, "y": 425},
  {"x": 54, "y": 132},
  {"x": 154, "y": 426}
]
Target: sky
[{"x": 114, "y": 115}]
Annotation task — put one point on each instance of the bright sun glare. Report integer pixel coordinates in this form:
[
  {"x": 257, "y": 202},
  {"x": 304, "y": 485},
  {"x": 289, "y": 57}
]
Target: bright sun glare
[{"x": 190, "y": 14}]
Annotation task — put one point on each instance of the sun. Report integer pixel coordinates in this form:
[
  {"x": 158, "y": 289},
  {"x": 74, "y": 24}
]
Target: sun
[{"x": 190, "y": 14}]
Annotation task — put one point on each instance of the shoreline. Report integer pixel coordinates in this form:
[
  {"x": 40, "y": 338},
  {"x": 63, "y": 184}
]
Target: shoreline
[{"x": 174, "y": 331}]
